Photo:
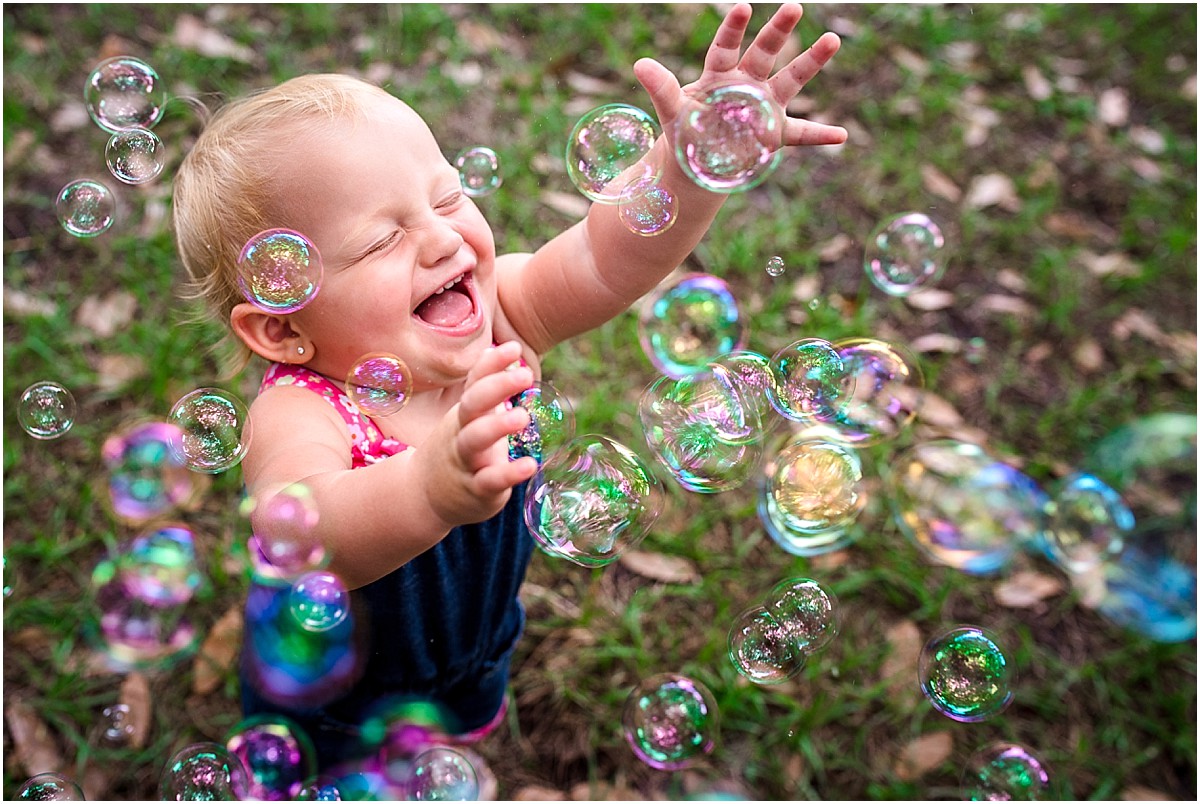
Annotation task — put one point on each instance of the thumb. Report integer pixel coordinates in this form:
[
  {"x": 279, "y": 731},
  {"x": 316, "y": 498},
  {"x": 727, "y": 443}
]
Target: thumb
[{"x": 663, "y": 88}]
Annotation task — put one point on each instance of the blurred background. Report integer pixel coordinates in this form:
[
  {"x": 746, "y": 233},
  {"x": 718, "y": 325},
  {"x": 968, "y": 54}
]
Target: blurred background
[{"x": 1055, "y": 143}]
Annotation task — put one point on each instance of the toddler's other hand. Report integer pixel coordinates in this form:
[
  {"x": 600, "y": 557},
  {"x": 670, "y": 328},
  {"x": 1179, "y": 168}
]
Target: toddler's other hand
[
  {"x": 468, "y": 474},
  {"x": 723, "y": 65}
]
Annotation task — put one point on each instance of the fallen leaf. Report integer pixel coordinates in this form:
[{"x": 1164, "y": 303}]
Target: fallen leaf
[
  {"x": 1088, "y": 356},
  {"x": 924, "y": 754},
  {"x": 1025, "y": 589},
  {"x": 1071, "y": 224},
  {"x": 1009, "y": 305},
  {"x": 834, "y": 248},
  {"x": 1114, "y": 263},
  {"x": 69, "y": 117},
  {"x": 1090, "y": 586},
  {"x": 533, "y": 792},
  {"x": 114, "y": 371},
  {"x": 899, "y": 668},
  {"x": 1113, "y": 107},
  {"x": 192, "y": 34},
  {"x": 992, "y": 190},
  {"x": 1138, "y": 793},
  {"x": 96, "y": 781},
  {"x": 218, "y": 652},
  {"x": 829, "y": 561},
  {"x": 479, "y": 37},
  {"x": 1135, "y": 322},
  {"x": 938, "y": 183},
  {"x": 935, "y": 410},
  {"x": 568, "y": 204},
  {"x": 1146, "y": 169},
  {"x": 34, "y": 744},
  {"x": 567, "y": 609},
  {"x": 1038, "y": 352},
  {"x": 1010, "y": 280},
  {"x": 135, "y": 694},
  {"x": 936, "y": 342},
  {"x": 910, "y": 61},
  {"x": 930, "y": 299},
  {"x": 1035, "y": 83},
  {"x": 105, "y": 316},
  {"x": 806, "y": 288},
  {"x": 658, "y": 567},
  {"x": 22, "y": 305},
  {"x": 1149, "y": 140}
]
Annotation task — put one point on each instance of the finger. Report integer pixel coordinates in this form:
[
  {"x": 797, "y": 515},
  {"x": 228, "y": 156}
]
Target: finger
[
  {"x": 476, "y": 439},
  {"x": 494, "y": 358},
  {"x": 806, "y": 132},
  {"x": 726, "y": 46},
  {"x": 760, "y": 56},
  {"x": 485, "y": 394},
  {"x": 498, "y": 477},
  {"x": 663, "y": 88},
  {"x": 800, "y": 70}
]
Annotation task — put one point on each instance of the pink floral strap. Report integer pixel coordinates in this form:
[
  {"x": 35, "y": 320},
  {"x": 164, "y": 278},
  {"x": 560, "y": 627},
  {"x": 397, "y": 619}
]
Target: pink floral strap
[{"x": 368, "y": 443}]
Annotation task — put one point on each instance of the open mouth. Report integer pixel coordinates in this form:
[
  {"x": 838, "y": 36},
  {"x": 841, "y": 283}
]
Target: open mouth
[{"x": 450, "y": 307}]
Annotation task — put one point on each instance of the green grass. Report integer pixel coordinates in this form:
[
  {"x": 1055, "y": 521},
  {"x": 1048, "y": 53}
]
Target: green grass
[{"x": 1106, "y": 708}]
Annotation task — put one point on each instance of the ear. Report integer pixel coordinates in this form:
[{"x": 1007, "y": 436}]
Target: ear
[{"x": 269, "y": 336}]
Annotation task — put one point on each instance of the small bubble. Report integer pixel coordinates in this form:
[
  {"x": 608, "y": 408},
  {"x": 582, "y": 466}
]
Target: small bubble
[
  {"x": 214, "y": 430},
  {"x": 775, "y": 266},
  {"x": 319, "y": 601},
  {"x": 46, "y": 410},
  {"x": 50, "y": 787},
  {"x": 478, "y": 171},
  {"x": 1005, "y": 772},
  {"x": 686, "y": 324},
  {"x": 647, "y": 208},
  {"x": 203, "y": 771},
  {"x": 443, "y": 774},
  {"x": 606, "y": 143},
  {"x": 279, "y": 271},
  {"x": 135, "y": 155},
  {"x": 670, "y": 721},
  {"x": 277, "y": 754},
  {"x": 975, "y": 350},
  {"x": 966, "y": 675},
  {"x": 85, "y": 208},
  {"x": 810, "y": 380},
  {"x": 551, "y": 422},
  {"x": 904, "y": 253},
  {"x": 380, "y": 384},
  {"x": 761, "y": 649},
  {"x": 116, "y": 726}
]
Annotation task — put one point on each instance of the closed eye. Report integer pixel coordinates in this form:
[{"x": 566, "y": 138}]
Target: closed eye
[
  {"x": 451, "y": 200},
  {"x": 380, "y": 246}
]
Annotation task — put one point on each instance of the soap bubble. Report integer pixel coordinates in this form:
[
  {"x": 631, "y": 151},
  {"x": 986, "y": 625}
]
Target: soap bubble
[
  {"x": 962, "y": 507},
  {"x": 1089, "y": 523},
  {"x": 1005, "y": 772},
  {"x": 807, "y": 611},
  {"x": 812, "y": 492},
  {"x": 775, "y": 266},
  {"x": 594, "y": 499},
  {"x": 124, "y": 92},
  {"x": 551, "y": 422},
  {"x": 646, "y": 207},
  {"x": 321, "y": 787},
  {"x": 686, "y": 324},
  {"x": 279, "y": 271},
  {"x": 1151, "y": 593},
  {"x": 115, "y": 725},
  {"x": 703, "y": 430},
  {"x": 85, "y": 207},
  {"x": 319, "y": 601},
  {"x": 442, "y": 774},
  {"x": 401, "y": 726},
  {"x": 762, "y": 649},
  {"x": 752, "y": 373},
  {"x": 381, "y": 384},
  {"x": 50, "y": 787},
  {"x": 142, "y": 623},
  {"x": 478, "y": 171},
  {"x": 965, "y": 674},
  {"x": 608, "y": 142},
  {"x": 147, "y": 478},
  {"x": 277, "y": 754},
  {"x": 905, "y": 253},
  {"x": 135, "y": 155},
  {"x": 811, "y": 381},
  {"x": 160, "y": 566},
  {"x": 730, "y": 140},
  {"x": 884, "y": 390},
  {"x": 46, "y": 410},
  {"x": 214, "y": 430},
  {"x": 204, "y": 771},
  {"x": 283, "y": 536},
  {"x": 670, "y": 721}
]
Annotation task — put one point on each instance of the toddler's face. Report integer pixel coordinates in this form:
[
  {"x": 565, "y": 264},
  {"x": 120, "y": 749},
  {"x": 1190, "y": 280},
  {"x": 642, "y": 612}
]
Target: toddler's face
[{"x": 409, "y": 260}]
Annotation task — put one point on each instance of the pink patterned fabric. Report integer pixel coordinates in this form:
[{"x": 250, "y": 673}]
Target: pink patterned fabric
[{"x": 368, "y": 443}]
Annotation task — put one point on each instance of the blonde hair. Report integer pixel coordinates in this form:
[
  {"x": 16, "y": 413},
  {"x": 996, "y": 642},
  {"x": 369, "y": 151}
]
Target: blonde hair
[{"x": 225, "y": 191}]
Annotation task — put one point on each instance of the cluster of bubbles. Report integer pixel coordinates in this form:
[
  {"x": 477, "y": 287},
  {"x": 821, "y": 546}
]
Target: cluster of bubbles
[
  {"x": 213, "y": 430},
  {"x": 670, "y": 721},
  {"x": 770, "y": 641},
  {"x": 965, "y": 674},
  {"x": 551, "y": 422},
  {"x": 478, "y": 171},
  {"x": 46, "y": 410},
  {"x": 380, "y": 384},
  {"x": 279, "y": 271}
]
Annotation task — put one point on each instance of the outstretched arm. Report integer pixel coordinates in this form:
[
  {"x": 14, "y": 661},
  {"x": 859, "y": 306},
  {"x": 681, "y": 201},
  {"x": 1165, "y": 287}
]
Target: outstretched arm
[{"x": 596, "y": 269}]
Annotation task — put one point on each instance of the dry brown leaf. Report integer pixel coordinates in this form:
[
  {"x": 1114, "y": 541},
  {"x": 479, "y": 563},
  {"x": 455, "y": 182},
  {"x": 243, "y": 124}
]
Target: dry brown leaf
[
  {"x": 1136, "y": 322},
  {"x": 930, "y": 299},
  {"x": 658, "y": 567},
  {"x": 218, "y": 652},
  {"x": 534, "y": 792},
  {"x": 1090, "y": 586},
  {"x": 1010, "y": 280},
  {"x": 1009, "y": 305},
  {"x": 1038, "y": 352},
  {"x": 899, "y": 667},
  {"x": 135, "y": 694},
  {"x": 560, "y": 605},
  {"x": 479, "y": 37},
  {"x": 1088, "y": 356},
  {"x": 1079, "y": 227},
  {"x": 96, "y": 781},
  {"x": 1114, "y": 263},
  {"x": 34, "y": 744},
  {"x": 104, "y": 316},
  {"x": 834, "y": 248},
  {"x": 936, "y": 411},
  {"x": 1025, "y": 589},
  {"x": 910, "y": 60},
  {"x": 1136, "y": 792},
  {"x": 1147, "y": 169},
  {"x": 1113, "y": 107},
  {"x": 114, "y": 371},
  {"x": 71, "y": 116},
  {"x": 936, "y": 342},
  {"x": 829, "y": 561},
  {"x": 806, "y": 288},
  {"x": 568, "y": 204},
  {"x": 941, "y": 185},
  {"x": 1036, "y": 84},
  {"x": 192, "y": 34},
  {"x": 1149, "y": 140},
  {"x": 993, "y": 190},
  {"x": 924, "y": 754}
]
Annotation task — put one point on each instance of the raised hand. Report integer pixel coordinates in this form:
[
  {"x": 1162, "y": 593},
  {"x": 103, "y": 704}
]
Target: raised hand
[
  {"x": 469, "y": 475},
  {"x": 725, "y": 63}
]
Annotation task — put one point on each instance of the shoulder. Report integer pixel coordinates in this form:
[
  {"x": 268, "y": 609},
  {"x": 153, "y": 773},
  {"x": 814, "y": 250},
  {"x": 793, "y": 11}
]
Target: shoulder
[
  {"x": 506, "y": 326},
  {"x": 297, "y": 414}
]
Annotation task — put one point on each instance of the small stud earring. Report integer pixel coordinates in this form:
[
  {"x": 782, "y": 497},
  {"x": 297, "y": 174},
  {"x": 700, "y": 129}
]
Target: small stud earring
[{"x": 299, "y": 350}]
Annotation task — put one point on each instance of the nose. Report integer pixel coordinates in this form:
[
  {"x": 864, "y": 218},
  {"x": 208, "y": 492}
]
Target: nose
[{"x": 441, "y": 241}]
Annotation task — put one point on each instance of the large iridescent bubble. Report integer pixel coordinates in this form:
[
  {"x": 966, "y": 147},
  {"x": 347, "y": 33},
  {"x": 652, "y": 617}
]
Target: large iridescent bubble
[
  {"x": 284, "y": 535},
  {"x": 319, "y": 601},
  {"x": 160, "y": 565},
  {"x": 1005, "y": 772},
  {"x": 703, "y": 429},
  {"x": 442, "y": 774},
  {"x": 964, "y": 508},
  {"x": 147, "y": 478},
  {"x": 46, "y": 410},
  {"x": 85, "y": 208},
  {"x": 905, "y": 253},
  {"x": 280, "y": 271},
  {"x": 762, "y": 649},
  {"x": 609, "y": 142},
  {"x": 124, "y": 92},
  {"x": 670, "y": 721},
  {"x": 686, "y": 324},
  {"x": 380, "y": 384},
  {"x": 884, "y": 383},
  {"x": 965, "y": 674},
  {"x": 50, "y": 786},
  {"x": 647, "y": 208},
  {"x": 204, "y": 771},
  {"x": 731, "y": 139},
  {"x": 278, "y": 756},
  {"x": 591, "y": 501},
  {"x": 808, "y": 611},
  {"x": 1088, "y": 523},
  {"x": 551, "y": 422},
  {"x": 214, "y": 428},
  {"x": 810, "y": 381},
  {"x": 752, "y": 373},
  {"x": 812, "y": 492}
]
